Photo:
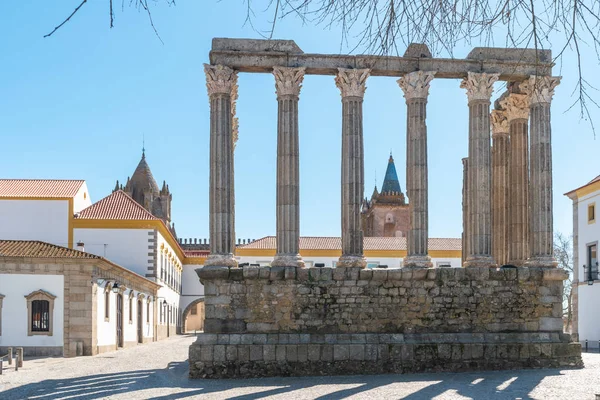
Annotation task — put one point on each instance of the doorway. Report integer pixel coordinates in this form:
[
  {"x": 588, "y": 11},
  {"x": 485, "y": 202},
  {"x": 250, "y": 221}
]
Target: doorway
[
  {"x": 119, "y": 320},
  {"x": 140, "y": 321}
]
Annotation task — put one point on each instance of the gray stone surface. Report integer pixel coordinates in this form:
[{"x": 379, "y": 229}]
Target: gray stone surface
[
  {"x": 262, "y": 55},
  {"x": 352, "y": 85},
  {"x": 501, "y": 186},
  {"x": 288, "y": 82},
  {"x": 416, "y": 89},
  {"x": 479, "y": 88},
  {"x": 220, "y": 82}
]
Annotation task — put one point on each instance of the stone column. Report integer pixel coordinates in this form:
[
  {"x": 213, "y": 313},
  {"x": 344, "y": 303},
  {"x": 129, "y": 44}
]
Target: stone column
[
  {"x": 416, "y": 89},
  {"x": 221, "y": 81},
  {"x": 479, "y": 88},
  {"x": 351, "y": 83},
  {"x": 540, "y": 90},
  {"x": 500, "y": 186},
  {"x": 288, "y": 82},
  {"x": 517, "y": 113},
  {"x": 465, "y": 210}
]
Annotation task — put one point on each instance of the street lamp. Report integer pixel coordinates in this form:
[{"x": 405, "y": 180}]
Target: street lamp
[{"x": 116, "y": 288}]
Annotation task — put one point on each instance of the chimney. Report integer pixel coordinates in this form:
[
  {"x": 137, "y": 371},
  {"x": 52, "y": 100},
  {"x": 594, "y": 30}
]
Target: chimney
[
  {"x": 195, "y": 241},
  {"x": 204, "y": 241},
  {"x": 80, "y": 246}
]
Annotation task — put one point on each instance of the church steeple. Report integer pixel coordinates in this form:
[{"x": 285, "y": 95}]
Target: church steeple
[
  {"x": 391, "y": 185},
  {"x": 142, "y": 188}
]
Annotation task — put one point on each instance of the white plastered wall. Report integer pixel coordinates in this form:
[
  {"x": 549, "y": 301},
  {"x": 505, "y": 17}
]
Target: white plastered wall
[
  {"x": 45, "y": 220},
  {"x": 107, "y": 329},
  {"x": 82, "y": 199},
  {"x": 172, "y": 297},
  {"x": 15, "y": 287},
  {"x": 125, "y": 247},
  {"x": 192, "y": 288},
  {"x": 589, "y": 296}
]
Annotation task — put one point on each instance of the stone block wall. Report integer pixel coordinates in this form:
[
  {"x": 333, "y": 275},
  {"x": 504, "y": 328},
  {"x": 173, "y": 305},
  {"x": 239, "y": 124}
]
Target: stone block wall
[
  {"x": 337, "y": 300},
  {"x": 269, "y": 321}
]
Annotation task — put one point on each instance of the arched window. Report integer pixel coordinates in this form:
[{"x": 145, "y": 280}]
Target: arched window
[
  {"x": 40, "y": 313},
  {"x": 389, "y": 218}
]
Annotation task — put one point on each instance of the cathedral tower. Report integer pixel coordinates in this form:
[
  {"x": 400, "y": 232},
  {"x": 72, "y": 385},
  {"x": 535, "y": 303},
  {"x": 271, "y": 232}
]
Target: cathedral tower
[
  {"x": 386, "y": 213},
  {"x": 144, "y": 190}
]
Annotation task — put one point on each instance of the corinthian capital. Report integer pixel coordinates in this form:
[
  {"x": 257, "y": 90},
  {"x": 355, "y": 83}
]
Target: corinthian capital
[
  {"x": 540, "y": 88},
  {"x": 352, "y": 81},
  {"x": 288, "y": 81},
  {"x": 479, "y": 85},
  {"x": 499, "y": 123},
  {"x": 219, "y": 79},
  {"x": 516, "y": 106},
  {"x": 416, "y": 84}
]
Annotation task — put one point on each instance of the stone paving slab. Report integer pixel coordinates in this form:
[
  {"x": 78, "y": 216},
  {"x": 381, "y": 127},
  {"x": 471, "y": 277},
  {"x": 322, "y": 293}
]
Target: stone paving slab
[{"x": 159, "y": 371}]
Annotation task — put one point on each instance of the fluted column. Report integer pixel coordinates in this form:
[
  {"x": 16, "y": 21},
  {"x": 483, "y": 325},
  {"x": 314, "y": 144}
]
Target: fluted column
[
  {"x": 416, "y": 89},
  {"x": 517, "y": 113},
  {"x": 479, "y": 88},
  {"x": 500, "y": 186},
  {"x": 351, "y": 83},
  {"x": 540, "y": 90},
  {"x": 220, "y": 82},
  {"x": 465, "y": 211},
  {"x": 288, "y": 82}
]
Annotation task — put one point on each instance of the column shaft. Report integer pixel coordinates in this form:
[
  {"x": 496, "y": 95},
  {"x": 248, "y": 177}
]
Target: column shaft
[
  {"x": 541, "y": 90},
  {"x": 500, "y": 186},
  {"x": 479, "y": 89},
  {"x": 352, "y": 86},
  {"x": 220, "y": 81},
  {"x": 416, "y": 90},
  {"x": 287, "y": 83},
  {"x": 519, "y": 192},
  {"x": 465, "y": 210}
]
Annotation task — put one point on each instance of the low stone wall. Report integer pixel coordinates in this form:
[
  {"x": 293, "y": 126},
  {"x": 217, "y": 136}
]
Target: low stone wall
[
  {"x": 257, "y": 355},
  {"x": 379, "y": 320}
]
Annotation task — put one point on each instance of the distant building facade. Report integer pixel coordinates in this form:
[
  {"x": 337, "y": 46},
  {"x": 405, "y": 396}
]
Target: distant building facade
[{"x": 386, "y": 213}]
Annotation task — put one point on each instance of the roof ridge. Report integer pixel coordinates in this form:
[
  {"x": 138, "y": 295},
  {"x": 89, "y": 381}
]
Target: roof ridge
[{"x": 121, "y": 194}]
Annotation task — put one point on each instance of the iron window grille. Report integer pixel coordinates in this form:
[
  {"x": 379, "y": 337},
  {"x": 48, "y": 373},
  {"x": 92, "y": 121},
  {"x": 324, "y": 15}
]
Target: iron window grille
[{"x": 40, "y": 316}]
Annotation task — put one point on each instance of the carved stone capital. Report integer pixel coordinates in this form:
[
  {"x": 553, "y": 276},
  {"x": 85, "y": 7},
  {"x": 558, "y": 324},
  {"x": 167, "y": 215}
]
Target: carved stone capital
[
  {"x": 479, "y": 86},
  {"x": 288, "y": 81},
  {"x": 219, "y": 79},
  {"x": 516, "y": 106},
  {"x": 416, "y": 84},
  {"x": 499, "y": 122},
  {"x": 540, "y": 88},
  {"x": 352, "y": 82}
]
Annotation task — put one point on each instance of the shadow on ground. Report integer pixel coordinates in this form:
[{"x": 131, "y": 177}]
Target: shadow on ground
[{"x": 477, "y": 385}]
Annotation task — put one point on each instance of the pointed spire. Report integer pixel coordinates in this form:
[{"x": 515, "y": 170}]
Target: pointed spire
[
  {"x": 116, "y": 186},
  {"x": 390, "y": 182},
  {"x": 375, "y": 192},
  {"x": 164, "y": 187},
  {"x": 143, "y": 146}
]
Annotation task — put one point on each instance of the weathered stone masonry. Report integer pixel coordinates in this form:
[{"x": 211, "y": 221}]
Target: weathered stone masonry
[{"x": 390, "y": 320}]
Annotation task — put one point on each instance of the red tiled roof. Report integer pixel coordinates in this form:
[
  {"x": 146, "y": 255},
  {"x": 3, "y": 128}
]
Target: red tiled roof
[
  {"x": 117, "y": 205},
  {"x": 34, "y": 248},
  {"x": 196, "y": 253},
  {"x": 44, "y": 188},
  {"x": 370, "y": 243}
]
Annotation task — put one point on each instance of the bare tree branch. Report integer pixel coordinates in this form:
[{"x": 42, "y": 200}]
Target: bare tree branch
[{"x": 67, "y": 19}]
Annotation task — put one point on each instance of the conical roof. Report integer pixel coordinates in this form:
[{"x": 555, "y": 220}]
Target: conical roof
[
  {"x": 142, "y": 179},
  {"x": 390, "y": 182}
]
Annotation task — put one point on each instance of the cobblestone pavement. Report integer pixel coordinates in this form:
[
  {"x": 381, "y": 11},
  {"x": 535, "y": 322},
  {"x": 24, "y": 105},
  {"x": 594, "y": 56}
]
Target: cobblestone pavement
[{"x": 159, "y": 371}]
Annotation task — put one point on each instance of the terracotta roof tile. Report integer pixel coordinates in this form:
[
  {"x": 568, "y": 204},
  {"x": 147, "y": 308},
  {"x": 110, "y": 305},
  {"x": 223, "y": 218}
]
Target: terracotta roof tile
[
  {"x": 44, "y": 188},
  {"x": 34, "y": 248},
  {"x": 118, "y": 205},
  {"x": 370, "y": 243}
]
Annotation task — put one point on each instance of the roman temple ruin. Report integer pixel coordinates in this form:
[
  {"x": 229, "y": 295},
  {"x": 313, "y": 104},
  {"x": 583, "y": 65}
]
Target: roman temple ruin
[{"x": 288, "y": 319}]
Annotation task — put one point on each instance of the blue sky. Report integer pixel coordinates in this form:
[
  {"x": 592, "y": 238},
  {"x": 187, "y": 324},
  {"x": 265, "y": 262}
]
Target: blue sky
[{"x": 76, "y": 105}]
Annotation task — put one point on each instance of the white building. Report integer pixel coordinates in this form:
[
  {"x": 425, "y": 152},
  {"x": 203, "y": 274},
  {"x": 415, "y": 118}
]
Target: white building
[
  {"x": 57, "y": 301},
  {"x": 586, "y": 285}
]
